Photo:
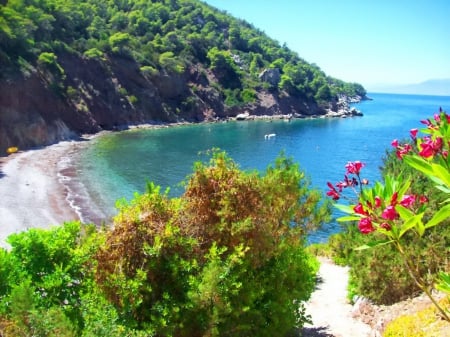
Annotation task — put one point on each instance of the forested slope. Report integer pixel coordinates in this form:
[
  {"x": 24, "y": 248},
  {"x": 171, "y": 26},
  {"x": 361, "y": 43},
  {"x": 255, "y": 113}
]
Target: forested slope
[{"x": 75, "y": 66}]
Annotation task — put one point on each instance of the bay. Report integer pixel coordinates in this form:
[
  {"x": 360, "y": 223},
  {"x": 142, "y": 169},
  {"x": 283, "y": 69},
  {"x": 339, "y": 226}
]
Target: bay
[{"x": 117, "y": 165}]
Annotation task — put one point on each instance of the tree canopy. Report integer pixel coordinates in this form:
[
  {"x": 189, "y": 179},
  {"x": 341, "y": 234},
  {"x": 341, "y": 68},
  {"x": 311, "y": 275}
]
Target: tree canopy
[{"x": 190, "y": 31}]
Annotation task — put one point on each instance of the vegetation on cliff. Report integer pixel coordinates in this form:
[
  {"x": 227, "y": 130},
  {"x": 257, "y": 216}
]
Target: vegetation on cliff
[
  {"x": 226, "y": 258},
  {"x": 101, "y": 64}
]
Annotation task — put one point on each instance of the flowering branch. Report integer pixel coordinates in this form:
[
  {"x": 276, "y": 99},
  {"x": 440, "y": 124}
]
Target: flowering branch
[{"x": 390, "y": 209}]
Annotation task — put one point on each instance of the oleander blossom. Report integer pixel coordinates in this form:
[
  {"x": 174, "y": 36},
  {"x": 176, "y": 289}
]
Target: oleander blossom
[
  {"x": 354, "y": 167},
  {"x": 365, "y": 226},
  {"x": 408, "y": 200},
  {"x": 332, "y": 192},
  {"x": 401, "y": 149},
  {"x": 386, "y": 226},
  {"x": 389, "y": 213},
  {"x": 430, "y": 147},
  {"x": 359, "y": 209}
]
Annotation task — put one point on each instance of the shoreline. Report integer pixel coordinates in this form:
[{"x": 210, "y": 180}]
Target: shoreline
[
  {"x": 33, "y": 191},
  {"x": 40, "y": 187}
]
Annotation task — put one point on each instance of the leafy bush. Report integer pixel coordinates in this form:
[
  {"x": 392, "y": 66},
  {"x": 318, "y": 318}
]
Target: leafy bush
[
  {"x": 94, "y": 53},
  {"x": 171, "y": 63},
  {"x": 248, "y": 96},
  {"x": 51, "y": 267},
  {"x": 225, "y": 258}
]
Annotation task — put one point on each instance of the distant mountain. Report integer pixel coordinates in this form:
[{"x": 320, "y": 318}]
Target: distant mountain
[{"x": 439, "y": 87}]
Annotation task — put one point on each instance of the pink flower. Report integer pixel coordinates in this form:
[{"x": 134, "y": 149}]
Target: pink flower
[
  {"x": 423, "y": 199},
  {"x": 394, "y": 198},
  {"x": 408, "y": 200},
  {"x": 359, "y": 209},
  {"x": 377, "y": 202},
  {"x": 402, "y": 150},
  {"x": 332, "y": 192},
  {"x": 386, "y": 226},
  {"x": 430, "y": 147},
  {"x": 365, "y": 226},
  {"x": 394, "y": 143},
  {"x": 389, "y": 213},
  {"x": 427, "y": 150},
  {"x": 413, "y": 133},
  {"x": 354, "y": 168}
]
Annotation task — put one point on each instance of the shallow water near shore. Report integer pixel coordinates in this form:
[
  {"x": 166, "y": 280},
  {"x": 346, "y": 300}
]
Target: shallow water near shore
[{"x": 117, "y": 165}]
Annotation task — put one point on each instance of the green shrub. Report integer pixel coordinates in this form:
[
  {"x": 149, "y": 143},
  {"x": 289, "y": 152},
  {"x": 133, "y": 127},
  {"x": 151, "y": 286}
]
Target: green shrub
[
  {"x": 227, "y": 257},
  {"x": 149, "y": 70},
  {"x": 248, "y": 96},
  {"x": 172, "y": 63},
  {"x": 50, "y": 61},
  {"x": 93, "y": 53},
  {"x": 51, "y": 265}
]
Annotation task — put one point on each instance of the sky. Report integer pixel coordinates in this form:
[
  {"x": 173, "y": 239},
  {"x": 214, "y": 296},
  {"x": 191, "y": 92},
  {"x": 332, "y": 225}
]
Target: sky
[{"x": 371, "y": 42}]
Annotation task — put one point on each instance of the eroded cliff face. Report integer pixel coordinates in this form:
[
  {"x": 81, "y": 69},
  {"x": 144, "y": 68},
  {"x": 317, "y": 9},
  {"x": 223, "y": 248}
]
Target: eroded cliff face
[{"x": 38, "y": 108}]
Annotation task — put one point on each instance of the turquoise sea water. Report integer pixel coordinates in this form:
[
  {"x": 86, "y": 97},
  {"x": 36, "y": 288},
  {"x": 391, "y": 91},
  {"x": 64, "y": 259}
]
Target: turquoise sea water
[{"x": 117, "y": 165}]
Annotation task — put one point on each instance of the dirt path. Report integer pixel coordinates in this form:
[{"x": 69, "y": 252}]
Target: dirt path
[{"x": 328, "y": 306}]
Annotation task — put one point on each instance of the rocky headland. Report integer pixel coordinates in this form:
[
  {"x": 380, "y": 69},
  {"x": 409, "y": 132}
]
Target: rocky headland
[{"x": 35, "y": 111}]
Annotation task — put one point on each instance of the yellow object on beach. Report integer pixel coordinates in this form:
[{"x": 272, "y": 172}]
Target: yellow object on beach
[{"x": 12, "y": 149}]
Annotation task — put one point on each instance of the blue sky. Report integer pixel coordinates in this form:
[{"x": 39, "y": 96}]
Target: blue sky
[{"x": 372, "y": 42}]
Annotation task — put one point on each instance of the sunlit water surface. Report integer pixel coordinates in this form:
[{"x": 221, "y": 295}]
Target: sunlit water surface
[{"x": 117, "y": 165}]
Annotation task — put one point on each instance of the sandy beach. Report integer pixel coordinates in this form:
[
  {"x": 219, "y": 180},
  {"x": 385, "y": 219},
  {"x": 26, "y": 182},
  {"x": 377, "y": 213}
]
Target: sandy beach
[{"x": 32, "y": 191}]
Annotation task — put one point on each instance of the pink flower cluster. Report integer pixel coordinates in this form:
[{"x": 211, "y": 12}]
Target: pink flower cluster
[
  {"x": 428, "y": 146},
  {"x": 382, "y": 212},
  {"x": 377, "y": 213},
  {"x": 352, "y": 168}
]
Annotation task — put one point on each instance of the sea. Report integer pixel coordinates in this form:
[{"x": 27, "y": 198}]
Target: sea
[{"x": 116, "y": 166}]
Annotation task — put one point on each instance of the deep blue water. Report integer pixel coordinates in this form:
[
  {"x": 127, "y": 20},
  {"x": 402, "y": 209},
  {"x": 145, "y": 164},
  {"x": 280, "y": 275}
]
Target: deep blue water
[{"x": 117, "y": 165}]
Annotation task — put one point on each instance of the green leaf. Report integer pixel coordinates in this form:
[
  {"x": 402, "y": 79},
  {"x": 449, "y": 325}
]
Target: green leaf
[
  {"x": 374, "y": 244},
  {"x": 412, "y": 222},
  {"x": 439, "y": 216},
  {"x": 404, "y": 212},
  {"x": 442, "y": 173},
  {"x": 404, "y": 187},
  {"x": 443, "y": 189},
  {"x": 420, "y": 228},
  {"x": 345, "y": 208},
  {"x": 348, "y": 218},
  {"x": 419, "y": 164},
  {"x": 444, "y": 282}
]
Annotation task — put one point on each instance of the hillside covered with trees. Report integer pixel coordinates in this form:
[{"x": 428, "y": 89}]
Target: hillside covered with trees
[{"x": 70, "y": 67}]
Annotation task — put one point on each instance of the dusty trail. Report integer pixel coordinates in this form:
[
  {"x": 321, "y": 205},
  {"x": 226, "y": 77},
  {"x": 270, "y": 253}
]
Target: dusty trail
[{"x": 328, "y": 306}]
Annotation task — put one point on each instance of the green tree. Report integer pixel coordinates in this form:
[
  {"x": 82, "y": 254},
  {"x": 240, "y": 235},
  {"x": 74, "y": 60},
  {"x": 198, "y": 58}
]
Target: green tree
[
  {"x": 224, "y": 68},
  {"x": 119, "y": 42}
]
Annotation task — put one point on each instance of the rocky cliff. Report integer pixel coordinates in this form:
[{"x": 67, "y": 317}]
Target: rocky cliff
[{"x": 38, "y": 108}]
